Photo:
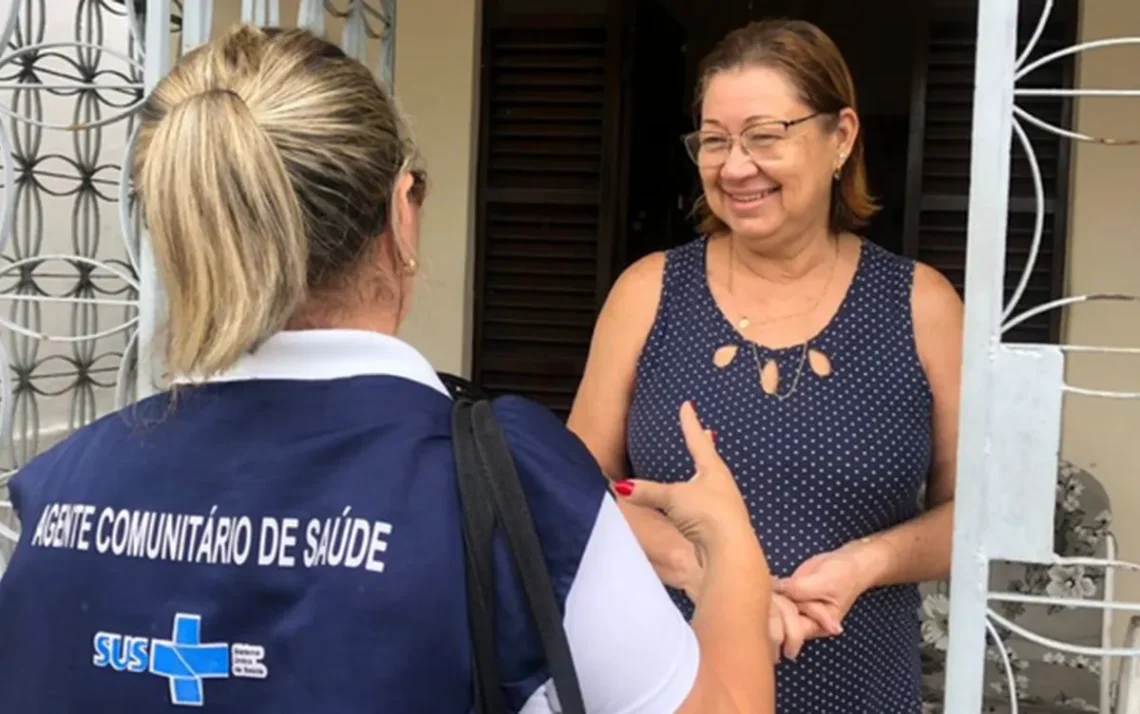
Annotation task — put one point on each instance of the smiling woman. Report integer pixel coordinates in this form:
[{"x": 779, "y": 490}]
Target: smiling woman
[
  {"x": 731, "y": 74},
  {"x": 826, "y": 366}
]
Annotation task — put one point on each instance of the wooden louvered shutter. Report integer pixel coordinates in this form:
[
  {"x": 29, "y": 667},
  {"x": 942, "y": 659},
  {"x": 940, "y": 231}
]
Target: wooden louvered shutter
[
  {"x": 938, "y": 186},
  {"x": 542, "y": 247}
]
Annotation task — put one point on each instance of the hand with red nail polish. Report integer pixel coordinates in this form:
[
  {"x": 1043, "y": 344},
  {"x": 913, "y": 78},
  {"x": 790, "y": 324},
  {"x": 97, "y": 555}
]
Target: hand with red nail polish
[
  {"x": 704, "y": 507},
  {"x": 732, "y": 586}
]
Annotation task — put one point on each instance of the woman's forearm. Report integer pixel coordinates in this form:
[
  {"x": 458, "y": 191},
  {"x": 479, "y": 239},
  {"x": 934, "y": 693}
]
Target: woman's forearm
[
  {"x": 672, "y": 556},
  {"x": 737, "y": 673},
  {"x": 912, "y": 552}
]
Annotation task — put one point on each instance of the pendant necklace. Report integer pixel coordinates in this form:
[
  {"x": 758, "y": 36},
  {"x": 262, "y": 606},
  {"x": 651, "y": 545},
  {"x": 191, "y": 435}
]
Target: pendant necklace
[{"x": 768, "y": 371}]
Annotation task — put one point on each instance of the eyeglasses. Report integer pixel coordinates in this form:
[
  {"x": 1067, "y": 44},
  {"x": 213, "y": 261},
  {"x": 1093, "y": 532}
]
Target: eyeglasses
[
  {"x": 763, "y": 140},
  {"x": 418, "y": 191}
]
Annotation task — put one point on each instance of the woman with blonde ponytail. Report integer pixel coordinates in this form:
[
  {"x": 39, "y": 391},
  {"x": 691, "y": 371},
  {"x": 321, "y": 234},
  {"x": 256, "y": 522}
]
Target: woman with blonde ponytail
[{"x": 288, "y": 536}]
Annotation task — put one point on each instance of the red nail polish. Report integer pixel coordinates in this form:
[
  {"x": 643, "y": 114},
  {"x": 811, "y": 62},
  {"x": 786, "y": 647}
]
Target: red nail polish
[
  {"x": 624, "y": 488},
  {"x": 712, "y": 434}
]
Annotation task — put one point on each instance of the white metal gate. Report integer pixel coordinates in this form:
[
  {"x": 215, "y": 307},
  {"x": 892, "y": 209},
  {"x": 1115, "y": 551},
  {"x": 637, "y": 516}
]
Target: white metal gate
[
  {"x": 1011, "y": 407},
  {"x": 78, "y": 293}
]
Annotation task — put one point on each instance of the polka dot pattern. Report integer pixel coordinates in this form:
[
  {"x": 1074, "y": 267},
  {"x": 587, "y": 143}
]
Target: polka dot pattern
[{"x": 841, "y": 458}]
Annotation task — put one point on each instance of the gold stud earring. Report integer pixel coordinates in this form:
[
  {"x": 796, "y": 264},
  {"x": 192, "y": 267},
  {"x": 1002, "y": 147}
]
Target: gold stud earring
[{"x": 411, "y": 266}]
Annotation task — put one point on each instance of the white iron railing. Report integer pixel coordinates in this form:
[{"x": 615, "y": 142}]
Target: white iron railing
[{"x": 1011, "y": 405}]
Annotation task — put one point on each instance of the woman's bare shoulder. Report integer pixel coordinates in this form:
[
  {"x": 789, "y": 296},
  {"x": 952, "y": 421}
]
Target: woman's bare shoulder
[{"x": 637, "y": 291}]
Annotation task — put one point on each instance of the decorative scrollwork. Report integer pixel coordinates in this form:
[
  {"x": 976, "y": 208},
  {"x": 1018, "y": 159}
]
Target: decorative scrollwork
[
  {"x": 70, "y": 83},
  {"x": 1024, "y": 66}
]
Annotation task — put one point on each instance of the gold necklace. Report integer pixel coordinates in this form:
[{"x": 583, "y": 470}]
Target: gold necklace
[
  {"x": 770, "y": 370},
  {"x": 776, "y": 366},
  {"x": 745, "y": 321}
]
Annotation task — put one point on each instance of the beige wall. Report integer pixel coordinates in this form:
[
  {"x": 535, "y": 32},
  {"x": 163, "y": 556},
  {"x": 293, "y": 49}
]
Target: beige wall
[
  {"x": 437, "y": 45},
  {"x": 1103, "y": 435}
]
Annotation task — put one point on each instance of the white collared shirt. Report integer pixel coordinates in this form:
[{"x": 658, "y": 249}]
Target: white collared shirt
[{"x": 330, "y": 354}]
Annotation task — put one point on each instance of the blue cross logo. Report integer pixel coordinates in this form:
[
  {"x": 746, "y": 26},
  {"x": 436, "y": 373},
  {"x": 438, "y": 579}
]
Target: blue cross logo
[{"x": 185, "y": 661}]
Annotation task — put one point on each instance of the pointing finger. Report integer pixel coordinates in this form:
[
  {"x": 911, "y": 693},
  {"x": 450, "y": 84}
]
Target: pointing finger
[{"x": 699, "y": 441}]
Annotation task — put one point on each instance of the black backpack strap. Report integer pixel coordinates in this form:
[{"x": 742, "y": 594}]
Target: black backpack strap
[
  {"x": 515, "y": 518},
  {"x": 478, "y": 531}
]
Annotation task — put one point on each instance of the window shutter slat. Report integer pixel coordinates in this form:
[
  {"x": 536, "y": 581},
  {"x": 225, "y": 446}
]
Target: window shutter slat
[{"x": 542, "y": 161}]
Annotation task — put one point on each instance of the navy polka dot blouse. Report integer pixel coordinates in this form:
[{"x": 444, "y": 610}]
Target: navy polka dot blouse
[{"x": 842, "y": 457}]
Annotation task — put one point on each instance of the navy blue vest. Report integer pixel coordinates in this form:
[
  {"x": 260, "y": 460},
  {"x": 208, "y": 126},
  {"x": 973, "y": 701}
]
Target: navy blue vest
[{"x": 272, "y": 546}]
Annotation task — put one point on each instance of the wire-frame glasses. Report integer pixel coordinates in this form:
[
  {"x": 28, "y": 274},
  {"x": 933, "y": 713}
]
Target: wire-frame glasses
[{"x": 763, "y": 140}]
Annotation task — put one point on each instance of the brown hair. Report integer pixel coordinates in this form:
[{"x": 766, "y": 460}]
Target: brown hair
[
  {"x": 265, "y": 165},
  {"x": 814, "y": 65}
]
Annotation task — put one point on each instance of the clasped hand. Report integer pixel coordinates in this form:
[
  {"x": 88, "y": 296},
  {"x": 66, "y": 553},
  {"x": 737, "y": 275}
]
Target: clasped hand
[
  {"x": 809, "y": 604},
  {"x": 822, "y": 591}
]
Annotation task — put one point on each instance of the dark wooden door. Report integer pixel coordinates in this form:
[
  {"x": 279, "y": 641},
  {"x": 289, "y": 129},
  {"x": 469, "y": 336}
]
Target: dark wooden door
[{"x": 658, "y": 182}]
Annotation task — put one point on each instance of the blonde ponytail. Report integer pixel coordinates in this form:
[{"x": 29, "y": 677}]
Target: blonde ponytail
[
  {"x": 227, "y": 230},
  {"x": 265, "y": 167}
]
